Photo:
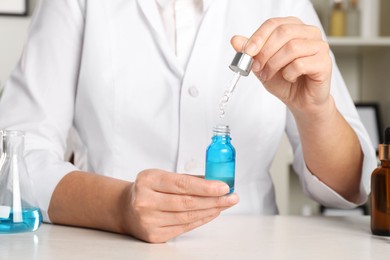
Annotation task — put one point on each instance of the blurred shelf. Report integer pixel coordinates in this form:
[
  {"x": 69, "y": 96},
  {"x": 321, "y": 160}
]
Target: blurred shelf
[{"x": 355, "y": 45}]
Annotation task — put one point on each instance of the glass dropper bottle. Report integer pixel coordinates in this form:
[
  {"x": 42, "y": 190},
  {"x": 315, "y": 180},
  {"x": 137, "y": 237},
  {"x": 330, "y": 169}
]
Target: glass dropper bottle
[
  {"x": 380, "y": 191},
  {"x": 221, "y": 157}
]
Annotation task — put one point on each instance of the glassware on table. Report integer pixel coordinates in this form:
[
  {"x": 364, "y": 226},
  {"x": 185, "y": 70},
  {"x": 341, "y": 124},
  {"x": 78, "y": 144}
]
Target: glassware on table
[{"x": 19, "y": 211}]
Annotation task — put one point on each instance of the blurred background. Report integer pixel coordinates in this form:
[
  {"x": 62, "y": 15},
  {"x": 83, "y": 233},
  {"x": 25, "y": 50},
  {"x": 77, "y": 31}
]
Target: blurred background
[{"x": 358, "y": 32}]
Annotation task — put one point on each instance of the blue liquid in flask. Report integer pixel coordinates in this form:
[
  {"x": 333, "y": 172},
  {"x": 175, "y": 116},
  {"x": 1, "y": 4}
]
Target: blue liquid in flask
[
  {"x": 18, "y": 210},
  {"x": 31, "y": 220}
]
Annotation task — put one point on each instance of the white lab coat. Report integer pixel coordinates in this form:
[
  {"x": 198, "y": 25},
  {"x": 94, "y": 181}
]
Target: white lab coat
[{"x": 106, "y": 68}]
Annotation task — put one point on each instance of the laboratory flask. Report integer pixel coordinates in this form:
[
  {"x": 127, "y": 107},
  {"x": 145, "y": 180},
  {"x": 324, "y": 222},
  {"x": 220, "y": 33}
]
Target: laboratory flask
[{"x": 19, "y": 211}]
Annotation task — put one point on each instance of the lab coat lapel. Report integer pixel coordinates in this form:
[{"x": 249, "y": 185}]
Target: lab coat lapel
[
  {"x": 212, "y": 36},
  {"x": 150, "y": 10}
]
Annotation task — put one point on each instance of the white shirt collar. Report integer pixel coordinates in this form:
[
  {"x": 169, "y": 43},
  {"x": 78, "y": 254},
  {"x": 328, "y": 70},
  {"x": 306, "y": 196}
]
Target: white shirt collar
[{"x": 164, "y": 3}]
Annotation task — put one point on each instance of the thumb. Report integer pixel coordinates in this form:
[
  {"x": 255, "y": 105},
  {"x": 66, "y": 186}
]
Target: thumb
[{"x": 238, "y": 42}]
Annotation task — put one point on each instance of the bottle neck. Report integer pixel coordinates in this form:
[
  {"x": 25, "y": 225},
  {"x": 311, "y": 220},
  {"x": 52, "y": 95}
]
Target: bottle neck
[
  {"x": 384, "y": 152},
  {"x": 385, "y": 164},
  {"x": 223, "y": 138},
  {"x": 353, "y": 4},
  {"x": 12, "y": 142},
  {"x": 338, "y": 6}
]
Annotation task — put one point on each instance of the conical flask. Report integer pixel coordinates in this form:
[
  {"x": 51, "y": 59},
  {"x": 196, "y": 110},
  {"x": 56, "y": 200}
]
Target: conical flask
[{"x": 19, "y": 211}]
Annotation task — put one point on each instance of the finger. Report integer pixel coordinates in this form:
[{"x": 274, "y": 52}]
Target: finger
[
  {"x": 291, "y": 51},
  {"x": 169, "y": 232},
  {"x": 178, "y": 203},
  {"x": 258, "y": 39},
  {"x": 284, "y": 84},
  {"x": 238, "y": 42},
  {"x": 198, "y": 176},
  {"x": 186, "y": 217},
  {"x": 282, "y": 36},
  {"x": 315, "y": 67},
  {"x": 186, "y": 184}
]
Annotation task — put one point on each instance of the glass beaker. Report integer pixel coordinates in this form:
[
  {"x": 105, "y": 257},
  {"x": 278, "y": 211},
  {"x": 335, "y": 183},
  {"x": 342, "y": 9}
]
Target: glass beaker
[{"x": 19, "y": 211}]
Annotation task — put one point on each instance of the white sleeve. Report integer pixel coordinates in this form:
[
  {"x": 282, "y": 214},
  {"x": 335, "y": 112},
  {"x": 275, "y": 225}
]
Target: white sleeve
[
  {"x": 39, "y": 96},
  {"x": 311, "y": 185}
]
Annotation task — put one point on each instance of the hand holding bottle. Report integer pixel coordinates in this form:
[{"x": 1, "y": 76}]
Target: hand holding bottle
[{"x": 161, "y": 205}]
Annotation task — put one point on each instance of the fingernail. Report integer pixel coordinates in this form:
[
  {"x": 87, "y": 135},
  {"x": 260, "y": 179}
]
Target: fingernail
[
  {"x": 250, "y": 49},
  {"x": 232, "y": 199},
  {"x": 224, "y": 189},
  {"x": 263, "y": 76},
  {"x": 256, "y": 66}
]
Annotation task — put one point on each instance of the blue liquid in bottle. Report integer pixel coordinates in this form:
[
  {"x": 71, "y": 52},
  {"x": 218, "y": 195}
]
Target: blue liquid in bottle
[
  {"x": 221, "y": 157},
  {"x": 32, "y": 219}
]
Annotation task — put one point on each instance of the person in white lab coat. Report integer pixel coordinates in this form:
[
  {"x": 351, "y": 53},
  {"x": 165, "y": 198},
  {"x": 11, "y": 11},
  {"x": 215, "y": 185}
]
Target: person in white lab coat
[{"x": 140, "y": 82}]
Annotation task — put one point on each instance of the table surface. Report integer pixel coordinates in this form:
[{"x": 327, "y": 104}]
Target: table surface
[{"x": 228, "y": 237}]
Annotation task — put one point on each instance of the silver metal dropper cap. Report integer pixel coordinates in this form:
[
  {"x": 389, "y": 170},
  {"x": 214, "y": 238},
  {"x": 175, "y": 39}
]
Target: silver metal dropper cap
[{"x": 242, "y": 63}]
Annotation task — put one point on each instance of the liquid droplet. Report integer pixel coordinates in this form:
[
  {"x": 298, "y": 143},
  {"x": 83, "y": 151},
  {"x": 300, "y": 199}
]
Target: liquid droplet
[{"x": 228, "y": 93}]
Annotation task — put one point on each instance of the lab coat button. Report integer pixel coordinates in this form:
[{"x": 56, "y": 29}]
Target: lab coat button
[{"x": 193, "y": 91}]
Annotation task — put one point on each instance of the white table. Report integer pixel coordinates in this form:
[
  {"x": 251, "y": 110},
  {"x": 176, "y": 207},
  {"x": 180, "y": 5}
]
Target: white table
[{"x": 228, "y": 237}]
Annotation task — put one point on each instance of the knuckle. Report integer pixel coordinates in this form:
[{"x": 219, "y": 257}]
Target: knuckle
[
  {"x": 187, "y": 217},
  {"x": 140, "y": 201},
  {"x": 325, "y": 46},
  {"x": 139, "y": 187},
  {"x": 273, "y": 22},
  {"x": 182, "y": 184},
  {"x": 220, "y": 201},
  {"x": 271, "y": 66},
  {"x": 293, "y": 46},
  {"x": 188, "y": 202},
  {"x": 143, "y": 173},
  {"x": 317, "y": 32},
  {"x": 164, "y": 178},
  {"x": 208, "y": 189},
  {"x": 256, "y": 39},
  {"x": 144, "y": 176},
  {"x": 283, "y": 30},
  {"x": 299, "y": 65},
  {"x": 285, "y": 94},
  {"x": 139, "y": 204},
  {"x": 191, "y": 216},
  {"x": 181, "y": 217},
  {"x": 138, "y": 184},
  {"x": 295, "y": 19},
  {"x": 261, "y": 56},
  {"x": 187, "y": 227}
]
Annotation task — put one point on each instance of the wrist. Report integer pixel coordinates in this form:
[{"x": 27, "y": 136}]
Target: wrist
[
  {"x": 315, "y": 113},
  {"x": 122, "y": 210}
]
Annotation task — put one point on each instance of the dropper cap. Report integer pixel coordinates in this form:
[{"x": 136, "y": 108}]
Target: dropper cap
[
  {"x": 384, "y": 149},
  {"x": 242, "y": 63}
]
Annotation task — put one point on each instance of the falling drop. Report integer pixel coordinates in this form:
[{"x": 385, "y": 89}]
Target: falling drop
[{"x": 228, "y": 93}]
